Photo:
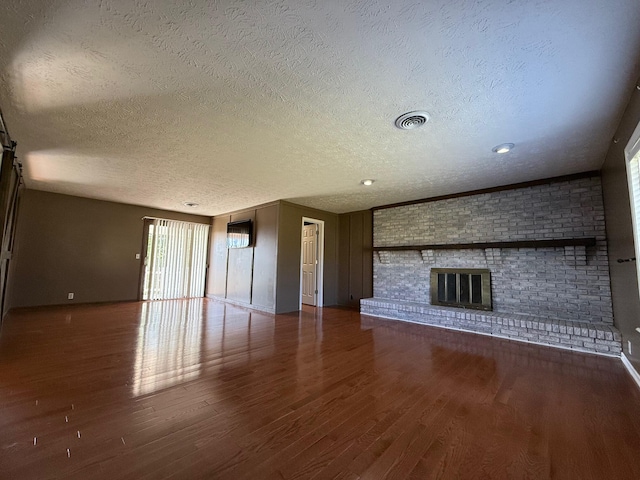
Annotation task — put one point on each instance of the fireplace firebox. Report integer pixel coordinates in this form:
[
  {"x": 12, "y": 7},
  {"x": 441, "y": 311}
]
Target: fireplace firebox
[{"x": 461, "y": 287}]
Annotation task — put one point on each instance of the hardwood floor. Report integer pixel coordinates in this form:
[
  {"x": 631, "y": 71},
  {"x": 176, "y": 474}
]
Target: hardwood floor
[{"x": 196, "y": 389}]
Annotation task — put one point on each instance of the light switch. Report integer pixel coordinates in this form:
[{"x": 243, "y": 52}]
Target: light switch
[{"x": 137, "y": 256}]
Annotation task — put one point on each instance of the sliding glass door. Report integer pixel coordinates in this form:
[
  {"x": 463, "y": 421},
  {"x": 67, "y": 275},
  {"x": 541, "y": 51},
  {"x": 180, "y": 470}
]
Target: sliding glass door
[{"x": 175, "y": 259}]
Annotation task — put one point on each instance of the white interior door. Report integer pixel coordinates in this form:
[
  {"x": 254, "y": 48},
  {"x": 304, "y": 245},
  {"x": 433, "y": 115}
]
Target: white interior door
[{"x": 309, "y": 264}]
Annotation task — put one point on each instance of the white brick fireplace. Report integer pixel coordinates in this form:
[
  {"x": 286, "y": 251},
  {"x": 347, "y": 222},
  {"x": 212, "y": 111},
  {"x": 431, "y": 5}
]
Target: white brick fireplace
[{"x": 543, "y": 244}]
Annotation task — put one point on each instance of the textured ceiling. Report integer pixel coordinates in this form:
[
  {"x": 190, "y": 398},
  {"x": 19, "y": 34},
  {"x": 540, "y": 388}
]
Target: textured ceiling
[{"x": 231, "y": 104}]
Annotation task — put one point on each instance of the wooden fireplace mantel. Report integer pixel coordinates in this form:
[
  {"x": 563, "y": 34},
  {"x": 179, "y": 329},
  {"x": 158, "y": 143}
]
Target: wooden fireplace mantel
[{"x": 552, "y": 243}]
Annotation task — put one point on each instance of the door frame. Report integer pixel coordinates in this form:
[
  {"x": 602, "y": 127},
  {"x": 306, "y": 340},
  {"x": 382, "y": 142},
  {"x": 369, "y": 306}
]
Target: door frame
[{"x": 320, "y": 267}]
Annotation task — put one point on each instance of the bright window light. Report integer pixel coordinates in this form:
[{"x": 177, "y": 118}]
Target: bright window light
[{"x": 632, "y": 154}]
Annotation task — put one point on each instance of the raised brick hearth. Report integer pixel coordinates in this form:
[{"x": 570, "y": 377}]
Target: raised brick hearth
[{"x": 581, "y": 336}]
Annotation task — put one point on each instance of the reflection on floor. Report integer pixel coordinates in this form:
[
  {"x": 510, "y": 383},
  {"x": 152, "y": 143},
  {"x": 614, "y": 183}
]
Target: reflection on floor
[
  {"x": 200, "y": 389},
  {"x": 169, "y": 343}
]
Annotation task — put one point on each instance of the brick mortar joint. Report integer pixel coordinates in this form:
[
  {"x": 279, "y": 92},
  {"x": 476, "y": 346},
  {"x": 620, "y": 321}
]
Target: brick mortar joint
[{"x": 545, "y": 325}]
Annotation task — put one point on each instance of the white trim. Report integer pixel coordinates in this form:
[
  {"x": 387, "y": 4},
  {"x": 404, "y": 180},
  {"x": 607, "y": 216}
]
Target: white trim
[
  {"x": 320, "y": 269},
  {"x": 633, "y": 146},
  {"x": 630, "y": 368}
]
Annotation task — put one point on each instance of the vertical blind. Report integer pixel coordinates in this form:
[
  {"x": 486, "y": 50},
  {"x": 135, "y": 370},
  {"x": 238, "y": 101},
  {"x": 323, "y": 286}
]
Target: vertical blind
[
  {"x": 176, "y": 260},
  {"x": 633, "y": 173},
  {"x": 634, "y": 170}
]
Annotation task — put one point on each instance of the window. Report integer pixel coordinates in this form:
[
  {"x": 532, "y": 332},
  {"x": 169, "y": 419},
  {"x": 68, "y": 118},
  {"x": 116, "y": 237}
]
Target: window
[
  {"x": 632, "y": 154},
  {"x": 176, "y": 260}
]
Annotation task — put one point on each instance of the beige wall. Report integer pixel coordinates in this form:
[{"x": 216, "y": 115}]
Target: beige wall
[
  {"x": 217, "y": 273},
  {"x": 71, "y": 244},
  {"x": 624, "y": 282},
  {"x": 245, "y": 276},
  {"x": 289, "y": 247},
  {"x": 355, "y": 274},
  {"x": 267, "y": 276},
  {"x": 240, "y": 264},
  {"x": 265, "y": 257}
]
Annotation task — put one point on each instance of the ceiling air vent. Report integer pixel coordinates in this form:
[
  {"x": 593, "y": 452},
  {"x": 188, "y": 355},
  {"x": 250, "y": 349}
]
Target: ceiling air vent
[{"x": 412, "y": 120}]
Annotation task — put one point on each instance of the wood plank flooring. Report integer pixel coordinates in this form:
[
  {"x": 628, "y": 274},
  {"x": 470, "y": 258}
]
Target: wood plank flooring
[{"x": 197, "y": 389}]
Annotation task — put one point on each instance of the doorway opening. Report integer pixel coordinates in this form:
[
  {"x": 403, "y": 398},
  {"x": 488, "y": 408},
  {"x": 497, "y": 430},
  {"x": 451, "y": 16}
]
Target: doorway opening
[{"x": 312, "y": 262}]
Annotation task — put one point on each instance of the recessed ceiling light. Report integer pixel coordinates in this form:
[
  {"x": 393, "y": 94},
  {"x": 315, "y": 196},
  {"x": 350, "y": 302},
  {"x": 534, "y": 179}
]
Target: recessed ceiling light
[
  {"x": 412, "y": 120},
  {"x": 367, "y": 182},
  {"x": 503, "y": 148},
  {"x": 190, "y": 204}
]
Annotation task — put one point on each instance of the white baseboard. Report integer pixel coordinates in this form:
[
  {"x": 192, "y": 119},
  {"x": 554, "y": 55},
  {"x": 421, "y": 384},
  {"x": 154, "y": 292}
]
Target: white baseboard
[{"x": 634, "y": 373}]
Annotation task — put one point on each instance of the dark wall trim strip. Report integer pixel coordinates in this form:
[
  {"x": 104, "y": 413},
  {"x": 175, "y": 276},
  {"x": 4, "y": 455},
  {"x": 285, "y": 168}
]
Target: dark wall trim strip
[
  {"x": 555, "y": 243},
  {"x": 513, "y": 186}
]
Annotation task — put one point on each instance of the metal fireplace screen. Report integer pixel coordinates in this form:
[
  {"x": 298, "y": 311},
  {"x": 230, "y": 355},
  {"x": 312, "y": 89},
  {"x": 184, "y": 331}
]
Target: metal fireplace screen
[{"x": 461, "y": 287}]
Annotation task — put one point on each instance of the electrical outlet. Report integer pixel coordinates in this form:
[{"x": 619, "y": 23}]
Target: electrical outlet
[{"x": 70, "y": 295}]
